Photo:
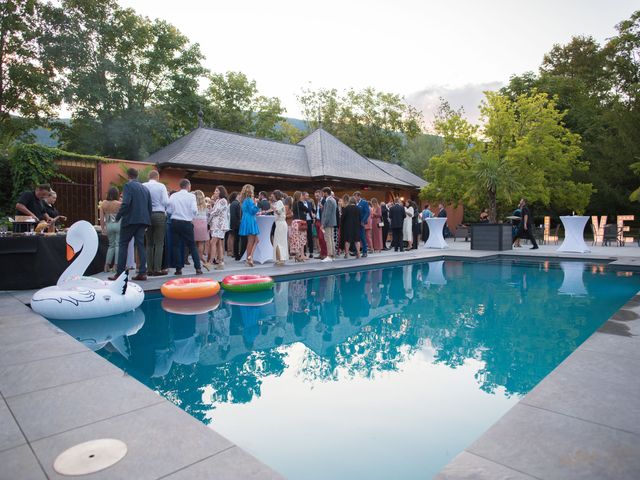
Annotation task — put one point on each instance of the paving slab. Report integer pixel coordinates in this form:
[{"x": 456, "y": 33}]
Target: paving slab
[
  {"x": 10, "y": 434},
  {"x": 33, "y": 350},
  {"x": 14, "y": 334},
  {"x": 52, "y": 372},
  {"x": 9, "y": 301},
  {"x": 467, "y": 466},
  {"x": 231, "y": 464},
  {"x": 54, "y": 410},
  {"x": 18, "y": 463},
  {"x": 613, "y": 338},
  {"x": 549, "y": 445},
  {"x": 24, "y": 318},
  {"x": 161, "y": 439},
  {"x": 592, "y": 386}
]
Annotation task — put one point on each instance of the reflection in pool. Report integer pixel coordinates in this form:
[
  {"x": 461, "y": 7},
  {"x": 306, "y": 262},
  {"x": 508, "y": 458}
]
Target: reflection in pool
[{"x": 385, "y": 373}]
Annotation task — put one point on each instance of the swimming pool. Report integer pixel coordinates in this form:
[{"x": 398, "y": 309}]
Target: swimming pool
[{"x": 383, "y": 373}]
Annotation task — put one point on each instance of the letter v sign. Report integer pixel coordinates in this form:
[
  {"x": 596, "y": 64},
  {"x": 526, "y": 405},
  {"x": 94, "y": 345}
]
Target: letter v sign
[{"x": 598, "y": 228}]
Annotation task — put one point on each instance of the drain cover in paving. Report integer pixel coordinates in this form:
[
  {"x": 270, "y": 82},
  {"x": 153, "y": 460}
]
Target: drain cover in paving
[{"x": 90, "y": 457}]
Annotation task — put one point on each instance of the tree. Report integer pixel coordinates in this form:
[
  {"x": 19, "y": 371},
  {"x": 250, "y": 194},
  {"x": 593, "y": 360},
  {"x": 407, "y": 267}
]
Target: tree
[
  {"x": 597, "y": 86},
  {"x": 374, "y": 124},
  {"x": 635, "y": 195},
  {"x": 132, "y": 82},
  {"x": 521, "y": 148},
  {"x": 28, "y": 84},
  {"x": 624, "y": 53},
  {"x": 418, "y": 151},
  {"x": 232, "y": 103}
]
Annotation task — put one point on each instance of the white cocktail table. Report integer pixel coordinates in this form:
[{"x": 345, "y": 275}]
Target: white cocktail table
[
  {"x": 436, "y": 227},
  {"x": 264, "y": 251},
  {"x": 574, "y": 234}
]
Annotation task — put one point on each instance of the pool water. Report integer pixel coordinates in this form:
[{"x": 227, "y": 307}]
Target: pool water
[{"x": 378, "y": 374}]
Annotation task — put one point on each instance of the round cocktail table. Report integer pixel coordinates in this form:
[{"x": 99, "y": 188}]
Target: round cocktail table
[
  {"x": 436, "y": 227},
  {"x": 574, "y": 234}
]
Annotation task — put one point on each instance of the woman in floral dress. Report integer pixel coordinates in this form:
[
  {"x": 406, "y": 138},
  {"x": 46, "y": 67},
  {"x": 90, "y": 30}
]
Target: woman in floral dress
[
  {"x": 219, "y": 224},
  {"x": 298, "y": 230},
  {"x": 200, "y": 231}
]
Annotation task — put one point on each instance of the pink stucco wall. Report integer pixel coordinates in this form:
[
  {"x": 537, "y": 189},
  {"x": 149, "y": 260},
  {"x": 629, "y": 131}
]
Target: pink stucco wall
[{"x": 110, "y": 173}]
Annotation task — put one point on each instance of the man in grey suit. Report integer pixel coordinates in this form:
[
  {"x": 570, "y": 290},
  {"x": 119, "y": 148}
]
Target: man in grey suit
[
  {"x": 135, "y": 217},
  {"x": 328, "y": 221}
]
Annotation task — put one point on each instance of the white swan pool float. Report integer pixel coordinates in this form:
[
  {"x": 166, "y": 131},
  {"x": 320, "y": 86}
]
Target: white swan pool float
[{"x": 77, "y": 297}]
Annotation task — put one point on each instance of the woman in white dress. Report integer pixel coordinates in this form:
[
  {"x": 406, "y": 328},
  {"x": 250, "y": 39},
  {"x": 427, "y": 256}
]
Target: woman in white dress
[
  {"x": 407, "y": 225},
  {"x": 280, "y": 240},
  {"x": 219, "y": 224}
]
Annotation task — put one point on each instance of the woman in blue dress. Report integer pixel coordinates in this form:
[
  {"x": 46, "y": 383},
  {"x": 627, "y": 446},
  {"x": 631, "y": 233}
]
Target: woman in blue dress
[{"x": 248, "y": 223}]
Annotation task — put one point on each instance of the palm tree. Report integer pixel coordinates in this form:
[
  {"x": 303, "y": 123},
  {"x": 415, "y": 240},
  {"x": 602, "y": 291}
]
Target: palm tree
[
  {"x": 143, "y": 175},
  {"x": 495, "y": 176}
]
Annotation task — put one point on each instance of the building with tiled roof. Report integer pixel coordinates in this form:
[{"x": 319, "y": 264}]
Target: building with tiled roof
[{"x": 209, "y": 157}]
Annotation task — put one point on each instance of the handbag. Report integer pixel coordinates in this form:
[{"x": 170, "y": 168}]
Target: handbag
[
  {"x": 381, "y": 224},
  {"x": 302, "y": 226},
  {"x": 314, "y": 231}
]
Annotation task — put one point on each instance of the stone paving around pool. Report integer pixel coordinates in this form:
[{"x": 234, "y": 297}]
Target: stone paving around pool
[{"x": 581, "y": 421}]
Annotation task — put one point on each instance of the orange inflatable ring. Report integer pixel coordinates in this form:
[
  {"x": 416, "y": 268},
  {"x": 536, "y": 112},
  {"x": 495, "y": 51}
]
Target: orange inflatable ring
[{"x": 190, "y": 288}]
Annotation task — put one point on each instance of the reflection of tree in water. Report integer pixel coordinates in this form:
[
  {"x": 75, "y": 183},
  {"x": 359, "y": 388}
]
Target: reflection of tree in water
[
  {"x": 518, "y": 342},
  {"x": 380, "y": 346},
  {"x": 359, "y": 324},
  {"x": 236, "y": 381}
]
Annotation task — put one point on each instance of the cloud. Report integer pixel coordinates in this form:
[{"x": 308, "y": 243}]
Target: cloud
[{"x": 465, "y": 96}]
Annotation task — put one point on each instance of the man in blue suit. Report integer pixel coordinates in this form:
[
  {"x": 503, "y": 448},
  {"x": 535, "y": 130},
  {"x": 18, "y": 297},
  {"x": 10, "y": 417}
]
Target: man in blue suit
[
  {"x": 363, "y": 207},
  {"x": 135, "y": 217}
]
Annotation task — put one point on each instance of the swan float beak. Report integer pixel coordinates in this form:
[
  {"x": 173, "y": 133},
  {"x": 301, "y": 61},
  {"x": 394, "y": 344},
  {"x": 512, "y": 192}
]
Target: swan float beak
[{"x": 70, "y": 253}]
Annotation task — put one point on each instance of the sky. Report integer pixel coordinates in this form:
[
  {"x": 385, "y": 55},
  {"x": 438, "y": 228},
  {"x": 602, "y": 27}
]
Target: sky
[{"x": 422, "y": 50}]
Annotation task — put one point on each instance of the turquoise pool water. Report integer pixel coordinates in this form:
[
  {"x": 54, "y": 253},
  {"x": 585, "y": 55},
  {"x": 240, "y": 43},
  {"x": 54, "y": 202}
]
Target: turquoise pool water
[{"x": 379, "y": 374}]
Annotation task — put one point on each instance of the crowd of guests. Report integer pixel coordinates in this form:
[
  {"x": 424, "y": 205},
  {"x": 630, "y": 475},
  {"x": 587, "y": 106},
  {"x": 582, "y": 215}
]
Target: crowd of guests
[{"x": 168, "y": 228}]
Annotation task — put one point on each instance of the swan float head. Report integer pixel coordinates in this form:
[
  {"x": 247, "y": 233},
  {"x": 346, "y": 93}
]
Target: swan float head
[{"x": 76, "y": 297}]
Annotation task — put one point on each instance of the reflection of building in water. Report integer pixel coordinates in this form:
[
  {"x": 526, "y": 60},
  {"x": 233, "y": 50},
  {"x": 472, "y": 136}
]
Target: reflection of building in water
[
  {"x": 96, "y": 333},
  {"x": 320, "y": 313},
  {"x": 321, "y": 334},
  {"x": 573, "y": 283}
]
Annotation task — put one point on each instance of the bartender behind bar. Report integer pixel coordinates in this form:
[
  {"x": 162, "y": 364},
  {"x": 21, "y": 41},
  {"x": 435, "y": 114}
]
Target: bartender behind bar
[{"x": 30, "y": 204}]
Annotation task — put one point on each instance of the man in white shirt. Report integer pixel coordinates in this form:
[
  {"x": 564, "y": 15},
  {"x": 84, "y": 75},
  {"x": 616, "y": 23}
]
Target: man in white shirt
[
  {"x": 183, "y": 208},
  {"x": 155, "y": 233}
]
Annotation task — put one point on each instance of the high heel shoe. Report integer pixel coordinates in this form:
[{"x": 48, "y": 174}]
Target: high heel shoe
[{"x": 250, "y": 261}]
